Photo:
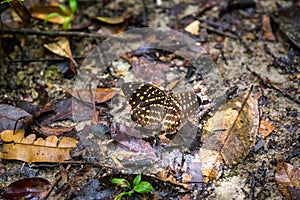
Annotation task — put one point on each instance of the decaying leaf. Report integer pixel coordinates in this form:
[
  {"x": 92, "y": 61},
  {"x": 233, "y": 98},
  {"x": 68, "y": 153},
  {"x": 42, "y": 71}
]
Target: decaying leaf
[
  {"x": 9, "y": 116},
  {"x": 265, "y": 128},
  {"x": 42, "y": 11},
  {"x": 149, "y": 71},
  {"x": 27, "y": 188},
  {"x": 164, "y": 175},
  {"x": 55, "y": 130},
  {"x": 100, "y": 95},
  {"x": 288, "y": 179},
  {"x": 16, "y": 147},
  {"x": 229, "y": 135},
  {"x": 58, "y": 110}
]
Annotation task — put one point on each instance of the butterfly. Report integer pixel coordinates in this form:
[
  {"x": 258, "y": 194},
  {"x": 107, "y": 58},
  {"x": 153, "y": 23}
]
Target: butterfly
[{"x": 153, "y": 108}]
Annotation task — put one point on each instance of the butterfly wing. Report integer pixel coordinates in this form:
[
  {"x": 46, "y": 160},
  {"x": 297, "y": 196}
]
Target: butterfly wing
[
  {"x": 173, "y": 117},
  {"x": 147, "y": 104},
  {"x": 189, "y": 102}
]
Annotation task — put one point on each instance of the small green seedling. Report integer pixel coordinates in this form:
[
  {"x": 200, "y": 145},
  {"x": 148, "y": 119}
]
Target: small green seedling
[
  {"x": 68, "y": 16},
  {"x": 8, "y": 1},
  {"x": 138, "y": 186}
]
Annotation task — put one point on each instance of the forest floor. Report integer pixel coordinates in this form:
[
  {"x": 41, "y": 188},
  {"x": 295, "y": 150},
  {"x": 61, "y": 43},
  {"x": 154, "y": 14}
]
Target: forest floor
[{"x": 241, "y": 46}]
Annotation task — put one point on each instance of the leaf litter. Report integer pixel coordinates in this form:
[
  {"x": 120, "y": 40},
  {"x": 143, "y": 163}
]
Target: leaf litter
[{"x": 270, "y": 138}]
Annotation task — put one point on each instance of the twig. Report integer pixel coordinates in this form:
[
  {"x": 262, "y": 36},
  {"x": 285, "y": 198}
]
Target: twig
[
  {"x": 145, "y": 14},
  {"x": 54, "y": 33},
  {"x": 267, "y": 82},
  {"x": 45, "y": 195},
  {"x": 45, "y": 59},
  {"x": 94, "y": 164},
  {"x": 219, "y": 32}
]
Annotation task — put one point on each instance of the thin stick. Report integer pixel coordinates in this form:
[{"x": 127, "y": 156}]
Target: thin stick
[
  {"x": 267, "y": 82},
  {"x": 54, "y": 33}
]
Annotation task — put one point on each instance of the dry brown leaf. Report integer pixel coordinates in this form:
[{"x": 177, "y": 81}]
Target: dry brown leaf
[
  {"x": 229, "y": 135},
  {"x": 268, "y": 33},
  {"x": 21, "y": 10},
  {"x": 193, "y": 28},
  {"x": 265, "y": 128},
  {"x": 61, "y": 47},
  {"x": 16, "y": 147},
  {"x": 100, "y": 94},
  {"x": 42, "y": 11},
  {"x": 287, "y": 178}
]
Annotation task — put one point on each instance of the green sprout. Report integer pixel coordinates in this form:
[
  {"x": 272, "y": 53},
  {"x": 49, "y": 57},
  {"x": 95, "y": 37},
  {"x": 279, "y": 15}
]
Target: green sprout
[
  {"x": 68, "y": 16},
  {"x": 8, "y": 1},
  {"x": 138, "y": 186}
]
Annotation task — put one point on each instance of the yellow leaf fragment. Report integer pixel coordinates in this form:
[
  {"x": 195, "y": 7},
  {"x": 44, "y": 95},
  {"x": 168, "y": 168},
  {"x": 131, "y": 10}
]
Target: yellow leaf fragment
[
  {"x": 29, "y": 139},
  {"x": 111, "y": 20},
  {"x": 68, "y": 142},
  {"x": 40, "y": 142},
  {"x": 51, "y": 141},
  {"x": 193, "y": 28},
  {"x": 11, "y": 136}
]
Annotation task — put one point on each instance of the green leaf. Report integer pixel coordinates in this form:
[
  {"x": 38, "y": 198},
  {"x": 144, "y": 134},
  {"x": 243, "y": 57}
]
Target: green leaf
[
  {"x": 143, "y": 187},
  {"x": 73, "y": 5},
  {"x": 137, "y": 179},
  {"x": 7, "y": 1},
  {"x": 64, "y": 9},
  {"x": 50, "y": 16},
  {"x": 67, "y": 23},
  {"x": 121, "y": 182}
]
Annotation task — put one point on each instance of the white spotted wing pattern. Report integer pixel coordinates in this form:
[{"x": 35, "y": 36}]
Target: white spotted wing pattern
[{"x": 153, "y": 108}]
